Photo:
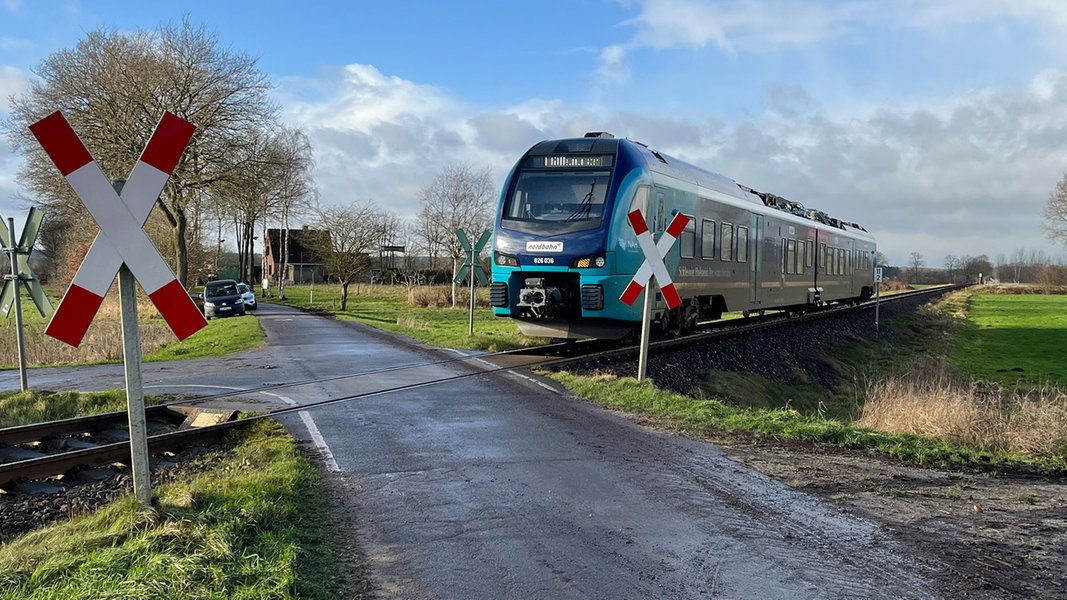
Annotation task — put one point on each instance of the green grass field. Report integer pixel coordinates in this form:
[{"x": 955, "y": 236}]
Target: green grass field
[{"x": 1015, "y": 339}]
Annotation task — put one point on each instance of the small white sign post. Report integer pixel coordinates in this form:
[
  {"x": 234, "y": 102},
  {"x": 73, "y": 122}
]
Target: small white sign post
[
  {"x": 654, "y": 253},
  {"x": 122, "y": 248},
  {"x": 877, "y": 293}
]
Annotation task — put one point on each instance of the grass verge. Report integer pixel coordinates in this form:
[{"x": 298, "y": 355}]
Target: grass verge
[
  {"x": 34, "y": 406},
  {"x": 253, "y": 524},
  {"x": 708, "y": 418}
]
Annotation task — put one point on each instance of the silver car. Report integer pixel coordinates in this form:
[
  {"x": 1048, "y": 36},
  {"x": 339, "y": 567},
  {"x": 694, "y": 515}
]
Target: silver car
[{"x": 247, "y": 295}]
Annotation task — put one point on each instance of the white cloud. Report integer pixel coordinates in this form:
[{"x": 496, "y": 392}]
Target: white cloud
[
  {"x": 738, "y": 27},
  {"x": 612, "y": 67},
  {"x": 383, "y": 139},
  {"x": 12, "y": 83}
]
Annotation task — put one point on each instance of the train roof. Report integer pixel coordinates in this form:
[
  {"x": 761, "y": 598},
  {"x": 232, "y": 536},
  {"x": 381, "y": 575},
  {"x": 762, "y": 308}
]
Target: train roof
[{"x": 599, "y": 142}]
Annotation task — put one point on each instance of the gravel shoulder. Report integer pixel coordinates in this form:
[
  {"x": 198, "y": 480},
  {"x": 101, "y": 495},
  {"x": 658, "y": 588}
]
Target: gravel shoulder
[{"x": 988, "y": 536}]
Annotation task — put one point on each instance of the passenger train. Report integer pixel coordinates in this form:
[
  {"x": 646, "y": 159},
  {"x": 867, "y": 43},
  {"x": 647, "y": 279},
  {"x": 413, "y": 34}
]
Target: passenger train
[{"x": 564, "y": 252}]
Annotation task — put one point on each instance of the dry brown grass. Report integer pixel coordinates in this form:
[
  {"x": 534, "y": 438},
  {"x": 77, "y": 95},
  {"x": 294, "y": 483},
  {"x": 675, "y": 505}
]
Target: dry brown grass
[
  {"x": 430, "y": 296},
  {"x": 893, "y": 285},
  {"x": 440, "y": 296},
  {"x": 930, "y": 400},
  {"x": 1020, "y": 289},
  {"x": 103, "y": 341}
]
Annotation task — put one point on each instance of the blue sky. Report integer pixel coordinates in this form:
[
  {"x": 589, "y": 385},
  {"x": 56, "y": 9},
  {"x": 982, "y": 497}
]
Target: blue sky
[{"x": 940, "y": 125}]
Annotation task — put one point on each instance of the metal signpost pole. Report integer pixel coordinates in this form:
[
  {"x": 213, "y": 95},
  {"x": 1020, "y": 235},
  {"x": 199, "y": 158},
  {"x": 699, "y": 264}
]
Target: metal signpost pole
[
  {"x": 471, "y": 277},
  {"x": 131, "y": 354},
  {"x": 877, "y": 294},
  {"x": 12, "y": 253},
  {"x": 131, "y": 360},
  {"x": 646, "y": 326}
]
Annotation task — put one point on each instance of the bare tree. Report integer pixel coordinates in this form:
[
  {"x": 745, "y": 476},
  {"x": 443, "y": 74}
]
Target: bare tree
[
  {"x": 296, "y": 191},
  {"x": 114, "y": 86},
  {"x": 952, "y": 264},
  {"x": 352, "y": 233},
  {"x": 458, "y": 198},
  {"x": 1055, "y": 222},
  {"x": 915, "y": 262},
  {"x": 274, "y": 174}
]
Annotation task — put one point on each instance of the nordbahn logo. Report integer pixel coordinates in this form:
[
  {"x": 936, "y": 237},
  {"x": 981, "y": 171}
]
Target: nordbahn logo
[{"x": 544, "y": 246}]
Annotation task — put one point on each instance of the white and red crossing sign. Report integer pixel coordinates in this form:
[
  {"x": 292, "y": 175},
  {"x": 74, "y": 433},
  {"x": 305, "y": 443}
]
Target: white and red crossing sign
[
  {"x": 654, "y": 253},
  {"x": 121, "y": 218}
]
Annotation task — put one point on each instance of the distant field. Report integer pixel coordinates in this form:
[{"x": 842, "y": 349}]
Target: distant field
[{"x": 1015, "y": 339}]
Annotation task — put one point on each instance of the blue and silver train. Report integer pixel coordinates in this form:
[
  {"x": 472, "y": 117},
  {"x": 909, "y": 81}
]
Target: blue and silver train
[{"x": 564, "y": 252}]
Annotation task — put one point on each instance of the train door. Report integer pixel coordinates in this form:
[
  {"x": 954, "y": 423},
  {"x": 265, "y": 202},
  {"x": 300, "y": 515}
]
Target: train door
[
  {"x": 851, "y": 259},
  {"x": 755, "y": 254}
]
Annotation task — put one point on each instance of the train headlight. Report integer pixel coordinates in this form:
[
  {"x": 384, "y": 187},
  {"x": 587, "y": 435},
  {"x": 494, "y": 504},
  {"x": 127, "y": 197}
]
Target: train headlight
[
  {"x": 506, "y": 260},
  {"x": 589, "y": 261}
]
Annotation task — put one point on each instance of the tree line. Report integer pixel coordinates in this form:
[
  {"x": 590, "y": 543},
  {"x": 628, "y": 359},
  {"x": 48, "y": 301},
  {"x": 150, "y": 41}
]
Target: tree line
[{"x": 1021, "y": 266}]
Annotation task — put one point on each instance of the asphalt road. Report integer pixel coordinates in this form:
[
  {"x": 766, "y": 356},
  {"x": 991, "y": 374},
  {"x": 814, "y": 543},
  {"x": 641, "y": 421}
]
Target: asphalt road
[{"x": 501, "y": 486}]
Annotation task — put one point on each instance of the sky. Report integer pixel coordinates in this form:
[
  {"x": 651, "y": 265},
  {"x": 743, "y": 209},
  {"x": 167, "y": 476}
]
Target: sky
[{"x": 939, "y": 125}]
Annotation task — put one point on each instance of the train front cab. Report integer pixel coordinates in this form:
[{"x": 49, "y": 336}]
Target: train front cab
[{"x": 553, "y": 263}]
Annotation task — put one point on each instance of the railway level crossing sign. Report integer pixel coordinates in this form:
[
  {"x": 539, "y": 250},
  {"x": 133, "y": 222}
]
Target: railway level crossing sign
[
  {"x": 654, "y": 253},
  {"x": 11, "y": 296},
  {"x": 653, "y": 265},
  {"x": 122, "y": 248},
  {"x": 23, "y": 274},
  {"x": 472, "y": 265},
  {"x": 470, "y": 256},
  {"x": 121, "y": 218}
]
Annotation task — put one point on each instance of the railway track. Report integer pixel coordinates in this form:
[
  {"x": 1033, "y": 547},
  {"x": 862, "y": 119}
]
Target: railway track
[{"x": 43, "y": 450}]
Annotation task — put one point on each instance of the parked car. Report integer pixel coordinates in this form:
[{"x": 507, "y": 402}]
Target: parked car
[
  {"x": 248, "y": 295},
  {"x": 198, "y": 300},
  {"x": 222, "y": 299}
]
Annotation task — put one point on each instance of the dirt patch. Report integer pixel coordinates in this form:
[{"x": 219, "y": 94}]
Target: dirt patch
[{"x": 1000, "y": 536}]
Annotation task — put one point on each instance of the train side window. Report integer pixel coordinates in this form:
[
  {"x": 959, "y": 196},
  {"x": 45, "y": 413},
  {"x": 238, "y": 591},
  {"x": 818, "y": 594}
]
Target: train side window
[
  {"x": 783, "y": 255},
  {"x": 824, "y": 265},
  {"x": 640, "y": 201},
  {"x": 810, "y": 253},
  {"x": 707, "y": 239},
  {"x": 726, "y": 247},
  {"x": 687, "y": 242},
  {"x": 842, "y": 261},
  {"x": 791, "y": 257},
  {"x": 800, "y": 256},
  {"x": 742, "y": 244}
]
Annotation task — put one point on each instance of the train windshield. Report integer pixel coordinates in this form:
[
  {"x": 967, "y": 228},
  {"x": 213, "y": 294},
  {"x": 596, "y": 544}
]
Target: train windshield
[{"x": 557, "y": 201}]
